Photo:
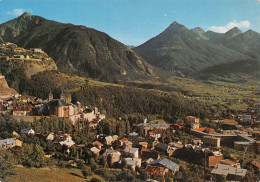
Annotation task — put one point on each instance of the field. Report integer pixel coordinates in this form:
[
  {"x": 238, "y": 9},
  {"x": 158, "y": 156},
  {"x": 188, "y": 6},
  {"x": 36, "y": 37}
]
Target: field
[
  {"x": 48, "y": 175},
  {"x": 214, "y": 92}
]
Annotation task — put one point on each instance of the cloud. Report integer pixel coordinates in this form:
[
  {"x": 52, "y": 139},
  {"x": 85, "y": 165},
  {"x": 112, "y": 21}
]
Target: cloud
[
  {"x": 230, "y": 25},
  {"x": 16, "y": 12},
  {"x": 258, "y": 1},
  {"x": 165, "y": 15}
]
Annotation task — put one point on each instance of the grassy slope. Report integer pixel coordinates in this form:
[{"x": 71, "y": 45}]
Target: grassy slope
[
  {"x": 214, "y": 89},
  {"x": 48, "y": 175}
]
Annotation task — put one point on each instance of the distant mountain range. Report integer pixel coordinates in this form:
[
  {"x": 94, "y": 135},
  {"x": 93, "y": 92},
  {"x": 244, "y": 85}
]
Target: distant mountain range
[
  {"x": 77, "y": 49},
  {"x": 192, "y": 52},
  {"x": 177, "y": 50}
]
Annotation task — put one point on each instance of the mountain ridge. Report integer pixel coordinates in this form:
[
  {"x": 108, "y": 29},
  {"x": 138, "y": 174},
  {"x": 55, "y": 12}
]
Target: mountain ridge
[
  {"x": 178, "y": 49},
  {"x": 77, "y": 49}
]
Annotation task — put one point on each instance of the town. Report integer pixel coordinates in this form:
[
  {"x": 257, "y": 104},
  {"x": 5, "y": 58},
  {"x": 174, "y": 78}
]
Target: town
[{"x": 81, "y": 137}]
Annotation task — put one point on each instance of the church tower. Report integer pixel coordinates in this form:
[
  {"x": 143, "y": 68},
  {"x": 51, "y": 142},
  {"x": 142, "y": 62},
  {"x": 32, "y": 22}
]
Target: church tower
[
  {"x": 50, "y": 96},
  {"x": 62, "y": 96}
]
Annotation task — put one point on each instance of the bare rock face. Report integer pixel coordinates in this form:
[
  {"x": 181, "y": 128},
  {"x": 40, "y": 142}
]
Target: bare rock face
[{"x": 5, "y": 90}]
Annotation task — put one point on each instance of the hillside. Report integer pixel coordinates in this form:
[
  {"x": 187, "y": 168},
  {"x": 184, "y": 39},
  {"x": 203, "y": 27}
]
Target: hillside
[
  {"x": 34, "y": 60},
  {"x": 77, "y": 49},
  {"x": 5, "y": 90},
  {"x": 180, "y": 50}
]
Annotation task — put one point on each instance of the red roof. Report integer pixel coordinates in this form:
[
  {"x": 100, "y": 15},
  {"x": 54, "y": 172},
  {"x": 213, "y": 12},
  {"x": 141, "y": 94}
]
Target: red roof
[
  {"x": 155, "y": 170},
  {"x": 204, "y": 129},
  {"x": 179, "y": 126}
]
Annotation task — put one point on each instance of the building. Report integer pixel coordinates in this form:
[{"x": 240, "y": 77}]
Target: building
[
  {"x": 131, "y": 152},
  {"x": 133, "y": 162},
  {"x": 211, "y": 141},
  {"x": 108, "y": 140},
  {"x": 64, "y": 140},
  {"x": 155, "y": 134},
  {"x": 95, "y": 150},
  {"x": 10, "y": 143},
  {"x": 58, "y": 108},
  {"x": 115, "y": 155},
  {"x": 36, "y": 50},
  {"x": 148, "y": 154},
  {"x": 235, "y": 164},
  {"x": 162, "y": 164},
  {"x": 193, "y": 121},
  {"x": 28, "y": 131},
  {"x": 229, "y": 172}
]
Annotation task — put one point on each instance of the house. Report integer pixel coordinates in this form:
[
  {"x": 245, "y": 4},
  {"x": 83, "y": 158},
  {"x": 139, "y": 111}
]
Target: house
[
  {"x": 47, "y": 135},
  {"x": 108, "y": 140},
  {"x": 128, "y": 144},
  {"x": 133, "y": 135},
  {"x": 229, "y": 172},
  {"x": 193, "y": 121},
  {"x": 115, "y": 155},
  {"x": 143, "y": 144},
  {"x": 196, "y": 141},
  {"x": 165, "y": 163},
  {"x": 10, "y": 143},
  {"x": 50, "y": 136},
  {"x": 179, "y": 127},
  {"x": 115, "y": 137},
  {"x": 155, "y": 134},
  {"x": 255, "y": 166},
  {"x": 64, "y": 140},
  {"x": 133, "y": 162},
  {"x": 155, "y": 170},
  {"x": 148, "y": 154},
  {"x": 28, "y": 131},
  {"x": 231, "y": 163},
  {"x": 97, "y": 144},
  {"x": 95, "y": 150},
  {"x": 213, "y": 158},
  {"x": 132, "y": 152},
  {"x": 154, "y": 125},
  {"x": 36, "y": 50},
  {"x": 212, "y": 141},
  {"x": 205, "y": 130},
  {"x": 18, "y": 56},
  {"x": 164, "y": 148},
  {"x": 15, "y": 134}
]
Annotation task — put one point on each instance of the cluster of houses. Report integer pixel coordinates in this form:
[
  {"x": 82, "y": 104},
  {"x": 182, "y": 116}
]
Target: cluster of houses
[
  {"x": 27, "y": 108},
  {"x": 152, "y": 152},
  {"x": 18, "y": 53}
]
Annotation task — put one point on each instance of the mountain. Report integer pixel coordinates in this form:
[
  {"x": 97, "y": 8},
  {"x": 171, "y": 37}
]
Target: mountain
[
  {"x": 180, "y": 50},
  {"x": 232, "y": 33},
  {"x": 79, "y": 49},
  {"x": 200, "y": 32},
  {"x": 247, "y": 43},
  {"x": 216, "y": 37}
]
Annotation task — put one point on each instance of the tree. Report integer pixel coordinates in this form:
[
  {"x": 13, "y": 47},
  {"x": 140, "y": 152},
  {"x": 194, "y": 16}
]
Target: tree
[
  {"x": 104, "y": 161},
  {"x": 93, "y": 164},
  {"x": 31, "y": 155},
  {"x": 95, "y": 180},
  {"x": 86, "y": 171},
  {"x": 6, "y": 164}
]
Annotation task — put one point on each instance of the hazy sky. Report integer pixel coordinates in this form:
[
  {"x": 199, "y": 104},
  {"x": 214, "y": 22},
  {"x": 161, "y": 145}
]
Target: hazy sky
[{"x": 135, "y": 21}]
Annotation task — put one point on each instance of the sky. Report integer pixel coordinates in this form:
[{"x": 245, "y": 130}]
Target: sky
[{"x": 133, "y": 22}]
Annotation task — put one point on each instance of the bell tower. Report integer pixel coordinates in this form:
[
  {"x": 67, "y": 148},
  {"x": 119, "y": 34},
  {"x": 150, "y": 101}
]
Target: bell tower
[
  {"x": 50, "y": 96},
  {"x": 62, "y": 96}
]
